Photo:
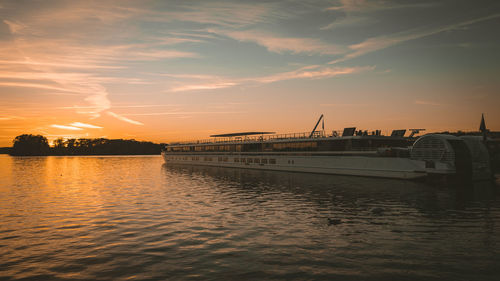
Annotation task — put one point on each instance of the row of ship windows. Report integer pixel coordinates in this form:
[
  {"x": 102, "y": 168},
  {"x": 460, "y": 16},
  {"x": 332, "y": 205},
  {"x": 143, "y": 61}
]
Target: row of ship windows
[
  {"x": 226, "y": 159},
  {"x": 248, "y": 147},
  {"x": 327, "y": 145}
]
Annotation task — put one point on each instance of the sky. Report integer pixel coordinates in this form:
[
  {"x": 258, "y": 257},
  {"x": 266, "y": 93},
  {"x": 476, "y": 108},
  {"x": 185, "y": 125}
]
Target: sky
[{"x": 168, "y": 71}]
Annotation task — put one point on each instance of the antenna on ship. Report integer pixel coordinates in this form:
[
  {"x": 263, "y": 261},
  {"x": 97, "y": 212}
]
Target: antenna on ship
[{"x": 317, "y": 123}]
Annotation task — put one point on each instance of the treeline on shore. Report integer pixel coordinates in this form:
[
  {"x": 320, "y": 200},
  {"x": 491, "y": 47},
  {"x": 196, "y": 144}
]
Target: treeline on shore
[{"x": 32, "y": 145}]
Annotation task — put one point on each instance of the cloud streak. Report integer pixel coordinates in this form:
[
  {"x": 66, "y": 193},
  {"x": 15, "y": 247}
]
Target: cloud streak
[
  {"x": 374, "y": 5},
  {"x": 125, "y": 119},
  {"x": 64, "y": 127},
  {"x": 84, "y": 125},
  {"x": 198, "y": 87},
  {"x": 378, "y": 43},
  {"x": 313, "y": 72},
  {"x": 425, "y": 102},
  {"x": 278, "y": 44},
  {"x": 308, "y": 72}
]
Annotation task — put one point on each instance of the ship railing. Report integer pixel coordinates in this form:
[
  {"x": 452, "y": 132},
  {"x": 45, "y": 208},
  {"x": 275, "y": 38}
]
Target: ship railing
[{"x": 261, "y": 138}]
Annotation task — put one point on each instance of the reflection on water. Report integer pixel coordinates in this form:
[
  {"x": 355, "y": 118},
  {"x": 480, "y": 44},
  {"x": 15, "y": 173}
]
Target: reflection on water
[{"x": 136, "y": 218}]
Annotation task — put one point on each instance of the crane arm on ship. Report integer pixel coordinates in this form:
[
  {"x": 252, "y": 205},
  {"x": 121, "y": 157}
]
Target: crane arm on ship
[{"x": 317, "y": 123}]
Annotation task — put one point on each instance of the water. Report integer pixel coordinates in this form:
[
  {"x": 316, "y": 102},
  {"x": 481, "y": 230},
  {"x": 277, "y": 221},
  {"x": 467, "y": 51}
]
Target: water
[{"x": 126, "y": 218}]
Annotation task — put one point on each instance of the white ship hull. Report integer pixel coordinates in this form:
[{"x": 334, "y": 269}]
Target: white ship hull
[{"x": 348, "y": 164}]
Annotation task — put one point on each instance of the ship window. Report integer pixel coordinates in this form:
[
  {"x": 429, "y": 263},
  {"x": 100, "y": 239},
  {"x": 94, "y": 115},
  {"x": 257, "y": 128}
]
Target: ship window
[
  {"x": 238, "y": 147},
  {"x": 295, "y": 146},
  {"x": 335, "y": 145},
  {"x": 236, "y": 160},
  {"x": 264, "y": 161},
  {"x": 251, "y": 147},
  {"x": 267, "y": 146},
  {"x": 219, "y": 159},
  {"x": 256, "y": 160},
  {"x": 224, "y": 159},
  {"x": 198, "y": 148},
  {"x": 249, "y": 160},
  {"x": 272, "y": 161}
]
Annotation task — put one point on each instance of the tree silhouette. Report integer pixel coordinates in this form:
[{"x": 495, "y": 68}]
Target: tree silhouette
[
  {"x": 38, "y": 145},
  {"x": 25, "y": 145}
]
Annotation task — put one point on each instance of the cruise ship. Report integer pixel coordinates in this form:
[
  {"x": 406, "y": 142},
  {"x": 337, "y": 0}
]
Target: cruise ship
[{"x": 352, "y": 152}]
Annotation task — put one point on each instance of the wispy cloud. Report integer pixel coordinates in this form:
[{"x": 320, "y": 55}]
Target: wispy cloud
[
  {"x": 144, "y": 55},
  {"x": 84, "y": 125},
  {"x": 14, "y": 27},
  {"x": 75, "y": 65},
  {"x": 63, "y": 66},
  {"x": 125, "y": 119},
  {"x": 105, "y": 14},
  {"x": 64, "y": 127},
  {"x": 10, "y": 117},
  {"x": 79, "y": 107},
  {"x": 197, "y": 87},
  {"x": 307, "y": 72},
  {"x": 279, "y": 44},
  {"x": 348, "y": 21},
  {"x": 313, "y": 72},
  {"x": 183, "y": 113},
  {"x": 189, "y": 76},
  {"x": 36, "y": 85},
  {"x": 425, "y": 102},
  {"x": 363, "y": 12},
  {"x": 223, "y": 14},
  {"x": 382, "y": 42},
  {"x": 374, "y": 5},
  {"x": 344, "y": 104}
]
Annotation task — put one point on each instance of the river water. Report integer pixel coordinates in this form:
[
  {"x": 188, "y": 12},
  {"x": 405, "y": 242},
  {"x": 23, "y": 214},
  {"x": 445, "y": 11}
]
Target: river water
[{"x": 135, "y": 218}]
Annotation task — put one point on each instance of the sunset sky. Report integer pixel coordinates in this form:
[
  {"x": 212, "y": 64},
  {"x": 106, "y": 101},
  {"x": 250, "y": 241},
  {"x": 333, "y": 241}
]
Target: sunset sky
[{"x": 180, "y": 70}]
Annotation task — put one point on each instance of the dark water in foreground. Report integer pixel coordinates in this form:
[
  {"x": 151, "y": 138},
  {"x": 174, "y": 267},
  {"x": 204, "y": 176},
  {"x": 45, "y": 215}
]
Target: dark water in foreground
[{"x": 126, "y": 218}]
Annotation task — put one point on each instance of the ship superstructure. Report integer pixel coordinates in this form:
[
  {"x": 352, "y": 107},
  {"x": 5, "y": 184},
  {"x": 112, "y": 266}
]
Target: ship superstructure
[{"x": 352, "y": 152}]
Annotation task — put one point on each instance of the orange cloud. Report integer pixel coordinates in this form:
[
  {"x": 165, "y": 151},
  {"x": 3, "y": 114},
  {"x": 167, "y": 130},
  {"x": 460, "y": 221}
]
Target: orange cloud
[
  {"x": 66, "y": 127},
  {"x": 84, "y": 125},
  {"x": 125, "y": 119},
  {"x": 196, "y": 87}
]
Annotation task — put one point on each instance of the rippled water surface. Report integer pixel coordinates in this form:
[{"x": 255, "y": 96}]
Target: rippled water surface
[{"x": 122, "y": 218}]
